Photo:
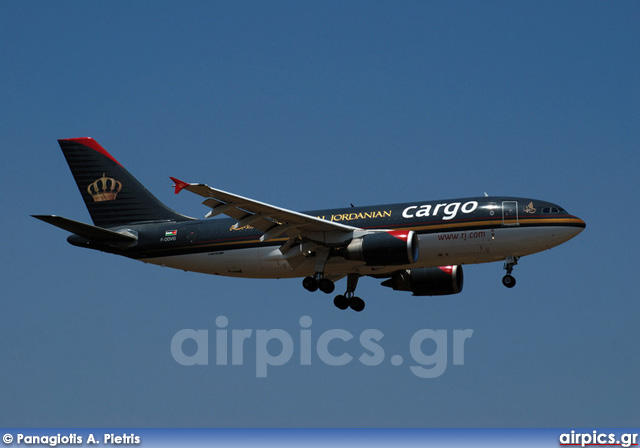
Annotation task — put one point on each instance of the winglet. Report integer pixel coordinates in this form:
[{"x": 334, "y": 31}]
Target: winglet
[{"x": 179, "y": 185}]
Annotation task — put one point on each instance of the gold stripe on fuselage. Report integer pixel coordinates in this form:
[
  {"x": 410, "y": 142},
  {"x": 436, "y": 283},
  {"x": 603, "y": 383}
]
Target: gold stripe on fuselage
[{"x": 493, "y": 223}]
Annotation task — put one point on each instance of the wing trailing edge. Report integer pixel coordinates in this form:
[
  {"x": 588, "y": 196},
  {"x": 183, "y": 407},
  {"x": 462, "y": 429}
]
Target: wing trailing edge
[{"x": 272, "y": 221}]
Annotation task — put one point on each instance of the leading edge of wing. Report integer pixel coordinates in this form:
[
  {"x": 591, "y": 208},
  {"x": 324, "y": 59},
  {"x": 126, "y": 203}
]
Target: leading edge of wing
[{"x": 265, "y": 217}]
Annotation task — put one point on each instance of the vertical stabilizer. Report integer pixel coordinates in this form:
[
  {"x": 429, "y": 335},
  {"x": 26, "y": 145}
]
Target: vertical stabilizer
[{"x": 112, "y": 195}]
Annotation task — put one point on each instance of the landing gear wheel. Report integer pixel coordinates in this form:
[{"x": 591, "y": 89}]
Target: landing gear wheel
[
  {"x": 341, "y": 302},
  {"x": 356, "y": 304},
  {"x": 509, "y": 281},
  {"x": 326, "y": 285},
  {"x": 310, "y": 284}
]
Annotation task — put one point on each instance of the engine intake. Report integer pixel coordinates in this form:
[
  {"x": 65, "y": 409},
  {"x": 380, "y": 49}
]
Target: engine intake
[
  {"x": 440, "y": 281},
  {"x": 384, "y": 248}
]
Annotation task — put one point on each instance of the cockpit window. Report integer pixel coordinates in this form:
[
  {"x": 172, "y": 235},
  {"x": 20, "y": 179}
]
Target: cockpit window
[{"x": 552, "y": 210}]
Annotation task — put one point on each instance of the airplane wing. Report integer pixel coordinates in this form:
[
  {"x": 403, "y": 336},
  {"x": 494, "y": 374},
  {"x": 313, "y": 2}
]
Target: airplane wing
[{"x": 272, "y": 221}]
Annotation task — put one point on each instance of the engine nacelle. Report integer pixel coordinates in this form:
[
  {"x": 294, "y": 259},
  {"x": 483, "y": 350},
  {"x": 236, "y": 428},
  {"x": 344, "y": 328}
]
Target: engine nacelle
[
  {"x": 396, "y": 247},
  {"x": 439, "y": 281}
]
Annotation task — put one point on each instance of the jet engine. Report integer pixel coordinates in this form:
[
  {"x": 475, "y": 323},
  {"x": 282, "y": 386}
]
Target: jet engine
[
  {"x": 395, "y": 247},
  {"x": 438, "y": 281}
]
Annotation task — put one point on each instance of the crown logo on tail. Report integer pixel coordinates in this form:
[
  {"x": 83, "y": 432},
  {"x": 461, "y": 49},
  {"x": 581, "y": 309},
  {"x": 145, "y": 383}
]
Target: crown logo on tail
[{"x": 104, "y": 189}]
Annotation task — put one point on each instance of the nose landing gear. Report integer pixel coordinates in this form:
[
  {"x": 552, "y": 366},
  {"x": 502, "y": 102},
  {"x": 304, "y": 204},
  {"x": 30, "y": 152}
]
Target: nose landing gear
[{"x": 508, "y": 280}]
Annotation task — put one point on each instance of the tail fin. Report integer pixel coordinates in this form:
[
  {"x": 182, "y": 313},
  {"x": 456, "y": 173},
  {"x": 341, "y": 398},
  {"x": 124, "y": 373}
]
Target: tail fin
[{"x": 112, "y": 195}]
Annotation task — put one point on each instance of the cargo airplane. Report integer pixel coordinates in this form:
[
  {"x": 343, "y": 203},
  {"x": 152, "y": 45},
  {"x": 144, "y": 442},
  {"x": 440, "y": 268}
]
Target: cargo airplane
[{"x": 416, "y": 246}]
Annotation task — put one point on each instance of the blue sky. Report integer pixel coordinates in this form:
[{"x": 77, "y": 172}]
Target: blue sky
[{"x": 311, "y": 105}]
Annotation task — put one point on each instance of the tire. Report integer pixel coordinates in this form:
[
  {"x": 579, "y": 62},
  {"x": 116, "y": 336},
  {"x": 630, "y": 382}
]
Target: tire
[
  {"x": 326, "y": 285},
  {"x": 341, "y": 302},
  {"x": 509, "y": 281},
  {"x": 356, "y": 304},
  {"x": 310, "y": 284}
]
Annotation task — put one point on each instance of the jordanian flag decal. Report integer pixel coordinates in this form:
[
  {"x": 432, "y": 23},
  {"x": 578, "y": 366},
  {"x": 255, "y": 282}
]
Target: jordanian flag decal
[{"x": 171, "y": 233}]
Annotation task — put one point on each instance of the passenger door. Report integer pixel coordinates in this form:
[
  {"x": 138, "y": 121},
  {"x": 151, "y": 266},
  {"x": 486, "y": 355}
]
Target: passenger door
[{"x": 510, "y": 213}]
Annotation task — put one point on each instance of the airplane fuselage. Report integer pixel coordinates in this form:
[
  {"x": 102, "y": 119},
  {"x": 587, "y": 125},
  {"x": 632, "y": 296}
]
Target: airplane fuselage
[{"x": 450, "y": 232}]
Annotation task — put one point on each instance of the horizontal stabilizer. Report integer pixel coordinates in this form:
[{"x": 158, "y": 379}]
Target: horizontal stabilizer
[{"x": 86, "y": 230}]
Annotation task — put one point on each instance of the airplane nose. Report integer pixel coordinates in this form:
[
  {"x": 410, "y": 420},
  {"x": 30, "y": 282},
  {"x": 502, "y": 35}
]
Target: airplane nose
[
  {"x": 572, "y": 227},
  {"x": 577, "y": 226}
]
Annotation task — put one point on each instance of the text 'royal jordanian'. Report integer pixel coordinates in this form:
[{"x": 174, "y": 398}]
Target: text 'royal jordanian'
[{"x": 417, "y": 247}]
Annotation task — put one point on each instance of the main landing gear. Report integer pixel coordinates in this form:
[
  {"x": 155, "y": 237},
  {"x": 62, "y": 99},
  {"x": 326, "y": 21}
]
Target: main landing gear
[
  {"x": 508, "y": 280},
  {"x": 320, "y": 282},
  {"x": 349, "y": 299},
  {"x": 342, "y": 301}
]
